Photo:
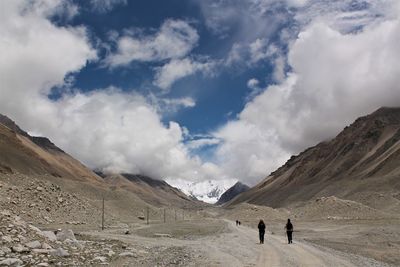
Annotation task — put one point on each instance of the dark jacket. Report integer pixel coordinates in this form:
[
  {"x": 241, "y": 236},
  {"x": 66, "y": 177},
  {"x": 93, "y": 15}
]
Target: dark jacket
[
  {"x": 261, "y": 227},
  {"x": 289, "y": 227}
]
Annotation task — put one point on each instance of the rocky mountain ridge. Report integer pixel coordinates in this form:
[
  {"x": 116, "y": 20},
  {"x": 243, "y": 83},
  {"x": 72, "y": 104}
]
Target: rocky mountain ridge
[
  {"x": 232, "y": 192},
  {"x": 364, "y": 159}
]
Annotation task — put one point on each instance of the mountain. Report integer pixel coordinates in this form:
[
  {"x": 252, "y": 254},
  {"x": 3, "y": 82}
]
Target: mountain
[
  {"x": 362, "y": 163},
  {"x": 208, "y": 191},
  {"x": 153, "y": 191},
  {"x": 22, "y": 153},
  {"x": 35, "y": 167},
  {"x": 232, "y": 192}
]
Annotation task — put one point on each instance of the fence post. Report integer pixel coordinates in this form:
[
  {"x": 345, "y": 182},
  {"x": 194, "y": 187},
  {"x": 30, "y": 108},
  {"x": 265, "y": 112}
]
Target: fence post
[
  {"x": 147, "y": 215},
  {"x": 102, "y": 217}
]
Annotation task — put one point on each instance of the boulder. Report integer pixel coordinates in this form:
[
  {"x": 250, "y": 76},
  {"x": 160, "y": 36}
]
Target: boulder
[
  {"x": 60, "y": 252},
  {"x": 33, "y": 244},
  {"x": 49, "y": 235},
  {"x": 19, "y": 249},
  {"x": 65, "y": 234}
]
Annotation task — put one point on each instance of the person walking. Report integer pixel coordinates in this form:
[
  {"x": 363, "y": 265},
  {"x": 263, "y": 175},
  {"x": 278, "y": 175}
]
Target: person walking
[
  {"x": 261, "y": 231},
  {"x": 289, "y": 231}
]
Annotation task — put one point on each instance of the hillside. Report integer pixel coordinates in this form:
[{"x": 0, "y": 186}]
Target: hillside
[
  {"x": 37, "y": 176},
  {"x": 155, "y": 192},
  {"x": 362, "y": 163},
  {"x": 22, "y": 153},
  {"x": 232, "y": 192}
]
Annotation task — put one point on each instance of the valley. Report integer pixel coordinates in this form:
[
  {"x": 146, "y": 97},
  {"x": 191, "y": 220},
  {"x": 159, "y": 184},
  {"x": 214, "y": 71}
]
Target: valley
[{"x": 343, "y": 214}]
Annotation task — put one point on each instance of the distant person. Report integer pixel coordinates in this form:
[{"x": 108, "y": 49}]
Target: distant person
[
  {"x": 261, "y": 231},
  {"x": 237, "y": 222},
  {"x": 289, "y": 231}
]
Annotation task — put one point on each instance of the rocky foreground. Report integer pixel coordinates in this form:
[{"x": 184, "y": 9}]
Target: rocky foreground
[{"x": 22, "y": 244}]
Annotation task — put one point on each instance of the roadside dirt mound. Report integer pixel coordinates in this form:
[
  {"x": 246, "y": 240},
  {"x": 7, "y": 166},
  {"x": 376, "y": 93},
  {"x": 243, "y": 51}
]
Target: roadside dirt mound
[
  {"x": 333, "y": 208},
  {"x": 386, "y": 201}
]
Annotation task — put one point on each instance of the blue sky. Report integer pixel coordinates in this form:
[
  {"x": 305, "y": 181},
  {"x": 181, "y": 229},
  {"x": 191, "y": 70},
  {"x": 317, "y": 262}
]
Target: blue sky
[
  {"x": 219, "y": 96},
  {"x": 198, "y": 89}
]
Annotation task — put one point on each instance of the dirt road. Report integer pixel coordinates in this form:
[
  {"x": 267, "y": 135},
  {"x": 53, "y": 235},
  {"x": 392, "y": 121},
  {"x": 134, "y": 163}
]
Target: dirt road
[{"x": 236, "y": 246}]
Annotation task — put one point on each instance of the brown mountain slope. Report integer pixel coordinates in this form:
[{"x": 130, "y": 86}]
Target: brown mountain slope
[
  {"x": 155, "y": 192},
  {"x": 360, "y": 163},
  {"x": 21, "y": 153},
  {"x": 25, "y": 159}
]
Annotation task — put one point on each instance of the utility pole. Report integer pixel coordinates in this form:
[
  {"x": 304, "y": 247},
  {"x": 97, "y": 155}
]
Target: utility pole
[
  {"x": 164, "y": 215},
  {"x": 102, "y": 217},
  {"x": 147, "y": 215}
]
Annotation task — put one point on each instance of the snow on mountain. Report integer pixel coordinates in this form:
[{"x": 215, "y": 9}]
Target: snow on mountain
[{"x": 207, "y": 191}]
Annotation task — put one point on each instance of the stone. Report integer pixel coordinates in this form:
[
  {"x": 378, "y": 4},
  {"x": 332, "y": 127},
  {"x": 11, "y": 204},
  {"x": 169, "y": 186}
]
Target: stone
[
  {"x": 33, "y": 244},
  {"x": 41, "y": 251},
  {"x": 34, "y": 228},
  {"x": 6, "y": 238},
  {"x": 49, "y": 235},
  {"x": 100, "y": 258},
  {"x": 126, "y": 254},
  {"x": 60, "y": 252},
  {"x": 46, "y": 246},
  {"x": 19, "y": 248},
  {"x": 65, "y": 234},
  {"x": 6, "y": 213},
  {"x": 110, "y": 253},
  {"x": 39, "y": 188},
  {"x": 162, "y": 235},
  {"x": 43, "y": 264},
  {"x": 11, "y": 262}
]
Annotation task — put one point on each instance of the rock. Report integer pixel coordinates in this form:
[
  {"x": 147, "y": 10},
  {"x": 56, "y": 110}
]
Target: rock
[
  {"x": 49, "y": 235},
  {"x": 39, "y": 188},
  {"x": 162, "y": 235},
  {"x": 41, "y": 251},
  {"x": 43, "y": 264},
  {"x": 6, "y": 238},
  {"x": 127, "y": 254},
  {"x": 11, "y": 262},
  {"x": 6, "y": 213},
  {"x": 65, "y": 234},
  {"x": 34, "y": 228},
  {"x": 60, "y": 252},
  {"x": 19, "y": 249},
  {"x": 110, "y": 253},
  {"x": 100, "y": 258},
  {"x": 33, "y": 244},
  {"x": 46, "y": 246}
]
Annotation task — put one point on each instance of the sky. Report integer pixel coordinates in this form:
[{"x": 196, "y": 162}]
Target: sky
[{"x": 196, "y": 89}]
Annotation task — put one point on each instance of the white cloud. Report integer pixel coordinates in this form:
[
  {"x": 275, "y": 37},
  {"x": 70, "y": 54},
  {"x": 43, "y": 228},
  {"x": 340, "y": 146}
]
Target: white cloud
[
  {"x": 203, "y": 142},
  {"x": 253, "y": 83},
  {"x": 336, "y": 77},
  {"x": 104, "y": 6},
  {"x": 106, "y": 129},
  {"x": 174, "y": 40},
  {"x": 179, "y": 68}
]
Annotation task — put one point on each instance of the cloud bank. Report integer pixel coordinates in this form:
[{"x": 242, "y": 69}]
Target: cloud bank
[
  {"x": 335, "y": 77},
  {"x": 107, "y": 128},
  {"x": 340, "y": 65}
]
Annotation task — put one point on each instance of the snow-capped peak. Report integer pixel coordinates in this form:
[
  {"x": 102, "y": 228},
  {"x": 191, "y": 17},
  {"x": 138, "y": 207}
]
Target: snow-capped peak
[{"x": 208, "y": 191}]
